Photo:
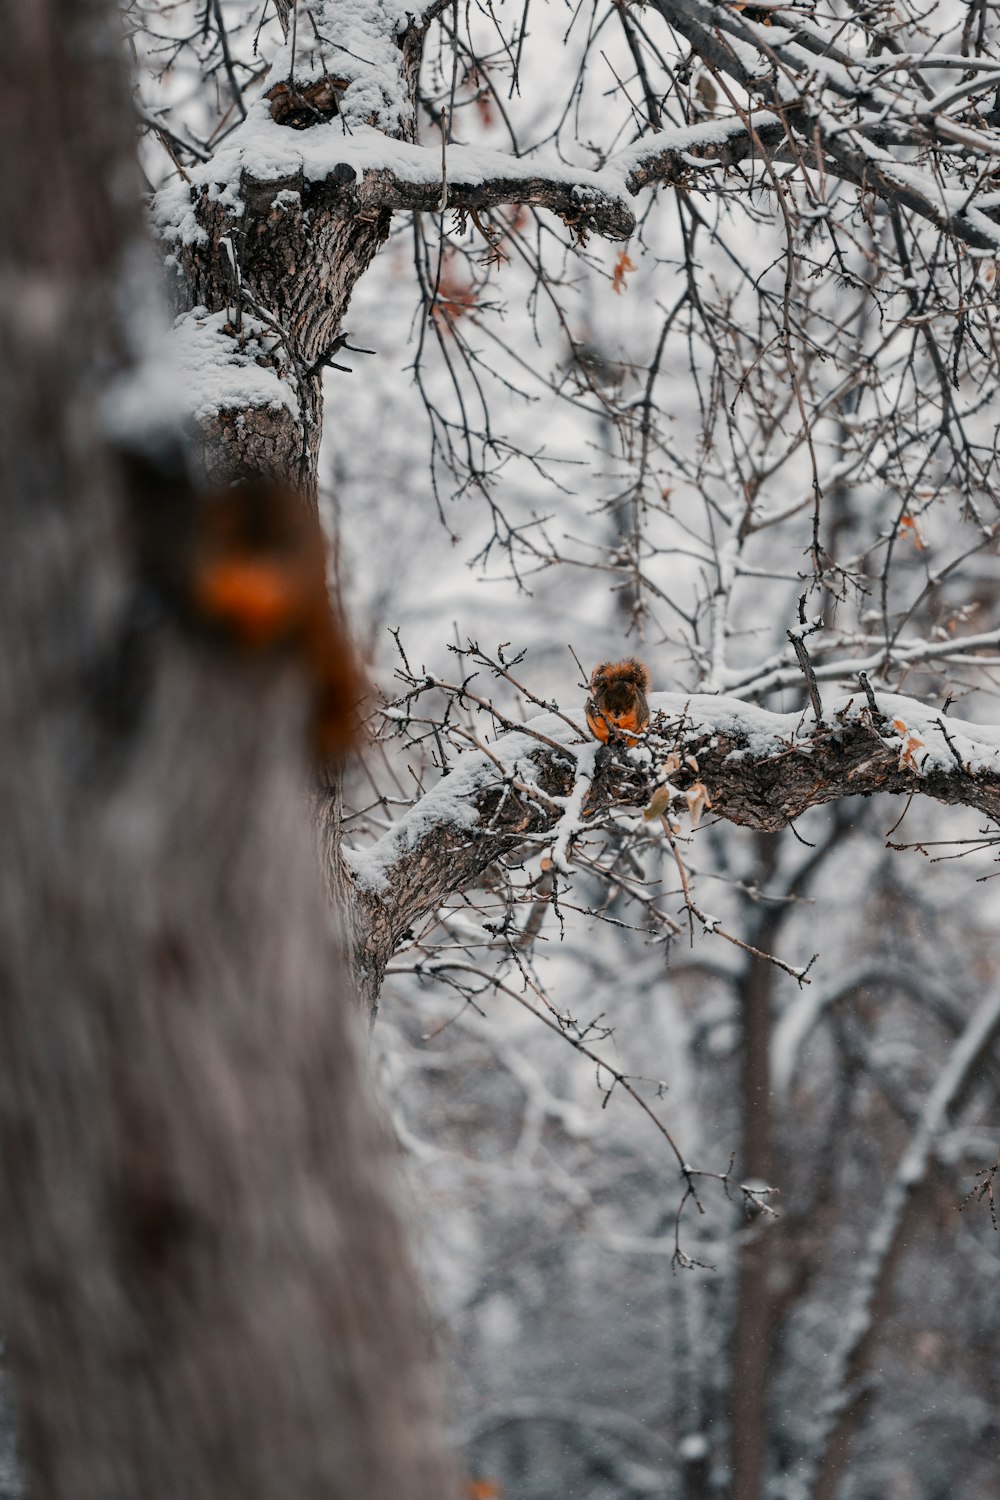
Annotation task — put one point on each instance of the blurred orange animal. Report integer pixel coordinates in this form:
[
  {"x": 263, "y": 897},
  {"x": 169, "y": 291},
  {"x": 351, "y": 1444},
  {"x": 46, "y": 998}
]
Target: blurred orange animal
[
  {"x": 617, "y": 706},
  {"x": 258, "y": 574}
]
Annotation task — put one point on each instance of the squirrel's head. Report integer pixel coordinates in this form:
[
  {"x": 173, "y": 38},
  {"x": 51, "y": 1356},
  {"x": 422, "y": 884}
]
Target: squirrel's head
[{"x": 615, "y": 684}]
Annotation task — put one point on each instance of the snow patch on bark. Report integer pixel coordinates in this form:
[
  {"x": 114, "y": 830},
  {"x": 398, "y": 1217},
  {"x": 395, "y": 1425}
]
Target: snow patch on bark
[
  {"x": 220, "y": 371},
  {"x": 452, "y": 802}
]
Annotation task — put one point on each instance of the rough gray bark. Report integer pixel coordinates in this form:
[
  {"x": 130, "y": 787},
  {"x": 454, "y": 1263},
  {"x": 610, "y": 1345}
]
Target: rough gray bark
[
  {"x": 297, "y": 268},
  {"x": 205, "y": 1288}
]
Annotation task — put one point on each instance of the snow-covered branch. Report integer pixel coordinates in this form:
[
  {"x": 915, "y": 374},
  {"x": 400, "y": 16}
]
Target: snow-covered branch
[
  {"x": 759, "y": 769},
  {"x": 834, "y": 107}
]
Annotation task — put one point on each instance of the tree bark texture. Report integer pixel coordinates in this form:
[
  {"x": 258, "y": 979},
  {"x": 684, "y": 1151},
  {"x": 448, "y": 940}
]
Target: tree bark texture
[
  {"x": 288, "y": 253},
  {"x": 297, "y": 267},
  {"x": 205, "y": 1288}
]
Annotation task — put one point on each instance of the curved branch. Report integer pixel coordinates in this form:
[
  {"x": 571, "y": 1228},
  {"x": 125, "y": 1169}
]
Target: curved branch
[
  {"x": 761, "y": 770},
  {"x": 368, "y": 170}
]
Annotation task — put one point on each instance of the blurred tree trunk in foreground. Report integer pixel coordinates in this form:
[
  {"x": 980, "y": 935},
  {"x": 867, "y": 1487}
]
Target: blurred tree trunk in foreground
[{"x": 205, "y": 1288}]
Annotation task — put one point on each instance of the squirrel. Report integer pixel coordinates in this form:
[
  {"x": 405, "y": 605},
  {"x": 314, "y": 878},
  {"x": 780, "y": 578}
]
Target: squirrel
[
  {"x": 245, "y": 566},
  {"x": 618, "y": 700},
  {"x": 257, "y": 575}
]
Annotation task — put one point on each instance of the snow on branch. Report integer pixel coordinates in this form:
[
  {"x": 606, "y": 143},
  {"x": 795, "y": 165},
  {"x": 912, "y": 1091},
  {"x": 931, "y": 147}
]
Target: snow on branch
[
  {"x": 235, "y": 373},
  {"x": 361, "y": 47},
  {"x": 340, "y": 120},
  {"x": 837, "y": 113},
  {"x": 222, "y": 368},
  {"x": 759, "y": 769},
  {"x": 370, "y": 170}
]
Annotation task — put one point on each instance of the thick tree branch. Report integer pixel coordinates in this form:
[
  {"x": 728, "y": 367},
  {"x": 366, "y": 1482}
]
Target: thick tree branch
[
  {"x": 761, "y": 770},
  {"x": 368, "y": 171}
]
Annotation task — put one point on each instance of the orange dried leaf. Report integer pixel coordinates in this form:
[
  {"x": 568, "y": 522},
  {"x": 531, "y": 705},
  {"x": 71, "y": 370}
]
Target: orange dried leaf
[
  {"x": 483, "y": 1489},
  {"x": 698, "y": 801},
  {"x": 454, "y": 299},
  {"x": 906, "y": 756},
  {"x": 706, "y": 91},
  {"x": 658, "y": 804},
  {"x": 622, "y": 265},
  {"x": 910, "y": 526},
  {"x": 911, "y": 744}
]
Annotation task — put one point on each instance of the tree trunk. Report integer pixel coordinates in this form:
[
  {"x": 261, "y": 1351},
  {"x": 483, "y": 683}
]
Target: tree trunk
[
  {"x": 205, "y": 1287},
  {"x": 751, "y": 1364}
]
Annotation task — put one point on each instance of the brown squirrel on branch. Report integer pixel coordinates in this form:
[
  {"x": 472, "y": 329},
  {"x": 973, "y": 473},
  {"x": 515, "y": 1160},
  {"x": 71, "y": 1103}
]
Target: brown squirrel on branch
[{"x": 617, "y": 707}]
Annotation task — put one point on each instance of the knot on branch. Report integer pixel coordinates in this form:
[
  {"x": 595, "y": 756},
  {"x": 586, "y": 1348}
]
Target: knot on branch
[{"x": 300, "y": 106}]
